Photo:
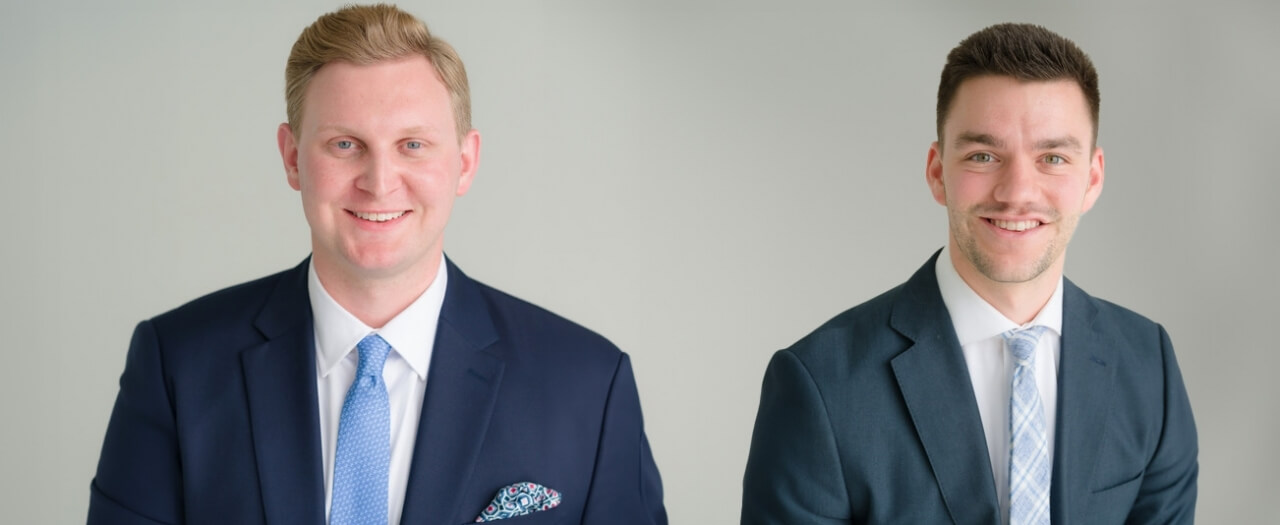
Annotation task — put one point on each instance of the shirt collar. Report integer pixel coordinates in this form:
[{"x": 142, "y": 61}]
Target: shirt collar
[
  {"x": 974, "y": 318},
  {"x": 411, "y": 333}
]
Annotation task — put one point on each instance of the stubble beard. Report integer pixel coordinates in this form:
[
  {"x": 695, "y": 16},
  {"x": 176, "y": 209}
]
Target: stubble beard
[{"x": 988, "y": 267}]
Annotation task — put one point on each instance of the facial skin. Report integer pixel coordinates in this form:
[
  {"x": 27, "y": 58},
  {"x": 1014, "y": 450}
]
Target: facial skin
[
  {"x": 378, "y": 162},
  {"x": 1016, "y": 170}
]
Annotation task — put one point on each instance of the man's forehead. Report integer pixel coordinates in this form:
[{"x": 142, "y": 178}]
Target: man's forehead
[
  {"x": 992, "y": 110},
  {"x": 364, "y": 72},
  {"x": 344, "y": 89}
]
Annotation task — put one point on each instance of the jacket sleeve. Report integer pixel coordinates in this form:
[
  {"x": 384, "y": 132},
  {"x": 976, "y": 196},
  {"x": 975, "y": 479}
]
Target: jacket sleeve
[
  {"x": 139, "y": 477},
  {"x": 625, "y": 487},
  {"x": 1168, "y": 490},
  {"x": 793, "y": 469}
]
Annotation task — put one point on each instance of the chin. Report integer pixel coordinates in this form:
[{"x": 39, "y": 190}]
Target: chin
[
  {"x": 1011, "y": 275},
  {"x": 1020, "y": 270},
  {"x": 374, "y": 264}
]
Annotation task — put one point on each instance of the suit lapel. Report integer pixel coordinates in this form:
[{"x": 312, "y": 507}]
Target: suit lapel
[
  {"x": 1085, "y": 380},
  {"x": 934, "y": 381},
  {"x": 462, "y": 387},
  {"x": 280, "y": 383}
]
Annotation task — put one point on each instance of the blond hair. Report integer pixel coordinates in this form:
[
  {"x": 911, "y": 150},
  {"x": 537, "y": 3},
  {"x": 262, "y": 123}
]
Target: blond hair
[{"x": 365, "y": 35}]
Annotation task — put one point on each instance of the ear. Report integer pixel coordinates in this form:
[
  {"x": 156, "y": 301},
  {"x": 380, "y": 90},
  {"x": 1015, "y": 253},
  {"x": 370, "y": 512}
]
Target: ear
[
  {"x": 289, "y": 153},
  {"x": 1097, "y": 173},
  {"x": 469, "y": 149},
  {"x": 933, "y": 174}
]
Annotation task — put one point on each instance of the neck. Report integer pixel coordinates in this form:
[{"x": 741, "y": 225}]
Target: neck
[
  {"x": 375, "y": 300},
  {"x": 1018, "y": 301}
]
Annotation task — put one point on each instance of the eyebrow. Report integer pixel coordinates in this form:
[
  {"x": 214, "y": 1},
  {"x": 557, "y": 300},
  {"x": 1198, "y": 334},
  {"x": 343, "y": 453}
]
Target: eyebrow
[
  {"x": 334, "y": 128},
  {"x": 1067, "y": 142},
  {"x": 985, "y": 139}
]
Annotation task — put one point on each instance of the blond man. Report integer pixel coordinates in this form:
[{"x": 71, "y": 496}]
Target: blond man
[{"x": 375, "y": 382}]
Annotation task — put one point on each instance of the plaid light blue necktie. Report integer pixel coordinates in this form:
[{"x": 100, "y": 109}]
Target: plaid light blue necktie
[
  {"x": 1030, "y": 467},
  {"x": 363, "y": 458}
]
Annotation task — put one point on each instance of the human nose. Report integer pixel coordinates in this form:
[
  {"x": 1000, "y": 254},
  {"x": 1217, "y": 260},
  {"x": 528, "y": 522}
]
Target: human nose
[
  {"x": 380, "y": 175},
  {"x": 1017, "y": 182}
]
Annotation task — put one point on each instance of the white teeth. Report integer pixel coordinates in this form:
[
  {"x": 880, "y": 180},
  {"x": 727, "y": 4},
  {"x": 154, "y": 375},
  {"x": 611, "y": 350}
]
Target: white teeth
[
  {"x": 378, "y": 217},
  {"x": 1016, "y": 226}
]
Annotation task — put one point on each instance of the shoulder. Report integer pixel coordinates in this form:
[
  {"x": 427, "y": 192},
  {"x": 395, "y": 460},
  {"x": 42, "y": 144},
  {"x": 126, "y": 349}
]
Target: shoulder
[
  {"x": 1122, "y": 315},
  {"x": 537, "y": 333},
  {"x": 867, "y": 335},
  {"x": 1133, "y": 328},
  {"x": 240, "y": 299},
  {"x": 227, "y": 317},
  {"x": 1107, "y": 333},
  {"x": 859, "y": 332}
]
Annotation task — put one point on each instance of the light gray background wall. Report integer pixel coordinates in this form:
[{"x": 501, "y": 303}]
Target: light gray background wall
[{"x": 703, "y": 183}]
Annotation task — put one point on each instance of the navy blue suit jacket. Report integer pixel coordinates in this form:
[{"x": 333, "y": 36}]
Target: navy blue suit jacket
[
  {"x": 217, "y": 416},
  {"x": 872, "y": 419}
]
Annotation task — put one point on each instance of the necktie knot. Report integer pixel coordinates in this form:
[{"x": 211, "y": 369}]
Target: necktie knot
[
  {"x": 1023, "y": 343},
  {"x": 373, "y": 354}
]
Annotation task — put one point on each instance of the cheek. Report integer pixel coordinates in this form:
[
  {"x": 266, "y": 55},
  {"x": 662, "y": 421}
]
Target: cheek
[
  {"x": 320, "y": 176},
  {"x": 438, "y": 179},
  {"x": 963, "y": 192},
  {"x": 1070, "y": 198}
]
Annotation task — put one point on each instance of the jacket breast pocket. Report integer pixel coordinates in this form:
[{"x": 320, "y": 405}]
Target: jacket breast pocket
[{"x": 543, "y": 517}]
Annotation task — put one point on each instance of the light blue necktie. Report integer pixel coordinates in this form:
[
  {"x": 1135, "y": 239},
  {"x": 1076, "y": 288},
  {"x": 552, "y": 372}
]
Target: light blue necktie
[
  {"x": 363, "y": 459},
  {"x": 1030, "y": 467}
]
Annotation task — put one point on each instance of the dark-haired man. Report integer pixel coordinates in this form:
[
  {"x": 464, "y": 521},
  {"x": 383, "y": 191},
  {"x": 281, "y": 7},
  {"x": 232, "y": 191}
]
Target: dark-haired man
[{"x": 987, "y": 388}]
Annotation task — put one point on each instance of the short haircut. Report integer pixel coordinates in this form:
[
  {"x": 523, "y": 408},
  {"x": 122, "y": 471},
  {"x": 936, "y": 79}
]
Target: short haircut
[
  {"x": 1023, "y": 51},
  {"x": 369, "y": 34}
]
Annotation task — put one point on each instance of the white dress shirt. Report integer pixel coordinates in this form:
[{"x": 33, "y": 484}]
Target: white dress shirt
[
  {"x": 412, "y": 335},
  {"x": 978, "y": 327}
]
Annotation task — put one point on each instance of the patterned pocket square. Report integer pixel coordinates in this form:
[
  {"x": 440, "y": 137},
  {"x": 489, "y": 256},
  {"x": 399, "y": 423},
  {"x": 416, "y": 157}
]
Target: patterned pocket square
[{"x": 518, "y": 500}]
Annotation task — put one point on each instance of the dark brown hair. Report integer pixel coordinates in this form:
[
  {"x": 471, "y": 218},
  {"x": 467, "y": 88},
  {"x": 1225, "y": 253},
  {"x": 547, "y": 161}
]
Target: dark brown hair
[{"x": 1023, "y": 51}]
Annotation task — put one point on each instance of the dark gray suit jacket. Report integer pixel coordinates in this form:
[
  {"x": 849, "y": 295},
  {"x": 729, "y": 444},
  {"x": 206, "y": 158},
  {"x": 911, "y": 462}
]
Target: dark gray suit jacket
[{"x": 872, "y": 419}]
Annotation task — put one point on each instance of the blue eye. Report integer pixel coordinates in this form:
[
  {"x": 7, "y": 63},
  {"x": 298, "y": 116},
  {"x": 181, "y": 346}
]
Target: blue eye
[
  {"x": 344, "y": 144},
  {"x": 413, "y": 144}
]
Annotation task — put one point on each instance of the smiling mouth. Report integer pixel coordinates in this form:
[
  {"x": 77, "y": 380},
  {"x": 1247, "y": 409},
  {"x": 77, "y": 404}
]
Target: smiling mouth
[
  {"x": 378, "y": 217},
  {"x": 1014, "y": 226}
]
